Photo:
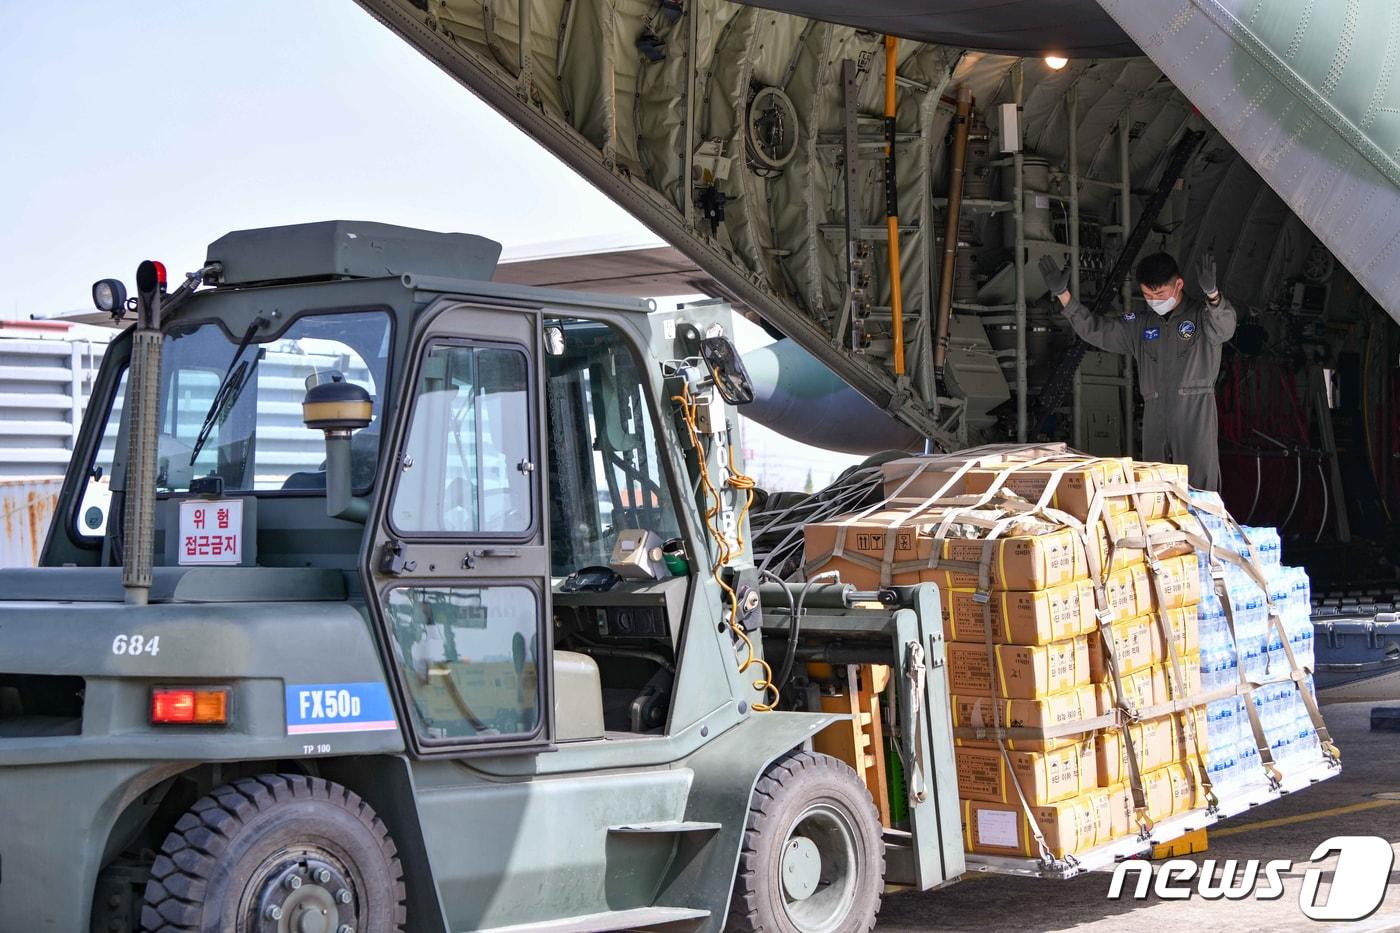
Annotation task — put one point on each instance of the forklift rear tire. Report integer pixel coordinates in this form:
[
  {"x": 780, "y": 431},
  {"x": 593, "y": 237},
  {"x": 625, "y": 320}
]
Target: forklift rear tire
[
  {"x": 276, "y": 852},
  {"x": 813, "y": 855}
]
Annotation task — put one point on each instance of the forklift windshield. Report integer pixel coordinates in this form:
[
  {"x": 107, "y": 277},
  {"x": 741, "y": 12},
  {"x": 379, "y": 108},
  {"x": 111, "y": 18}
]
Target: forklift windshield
[{"x": 257, "y": 441}]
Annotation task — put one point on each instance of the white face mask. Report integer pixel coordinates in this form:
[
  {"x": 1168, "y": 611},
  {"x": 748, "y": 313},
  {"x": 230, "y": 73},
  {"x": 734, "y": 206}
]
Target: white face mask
[{"x": 1164, "y": 306}]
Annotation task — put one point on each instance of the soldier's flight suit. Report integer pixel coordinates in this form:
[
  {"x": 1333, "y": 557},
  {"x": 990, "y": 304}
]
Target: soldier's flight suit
[{"x": 1178, "y": 358}]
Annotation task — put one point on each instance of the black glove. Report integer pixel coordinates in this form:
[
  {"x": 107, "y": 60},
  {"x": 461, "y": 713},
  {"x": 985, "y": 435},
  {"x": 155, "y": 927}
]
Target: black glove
[
  {"x": 1205, "y": 276},
  {"x": 1056, "y": 279}
]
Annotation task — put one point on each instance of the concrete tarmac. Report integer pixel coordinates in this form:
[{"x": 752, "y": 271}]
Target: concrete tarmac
[{"x": 1357, "y": 802}]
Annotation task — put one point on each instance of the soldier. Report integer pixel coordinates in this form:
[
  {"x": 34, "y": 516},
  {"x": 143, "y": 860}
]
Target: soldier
[{"x": 1177, "y": 349}]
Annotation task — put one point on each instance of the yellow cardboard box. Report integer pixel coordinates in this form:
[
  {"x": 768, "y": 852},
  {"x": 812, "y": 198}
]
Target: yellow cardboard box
[
  {"x": 1160, "y": 505},
  {"x": 1172, "y": 790},
  {"x": 1154, "y": 685},
  {"x": 1129, "y": 592},
  {"x": 1043, "y": 777},
  {"x": 1189, "y": 685},
  {"x": 1135, "y": 646},
  {"x": 1185, "y": 630},
  {"x": 1078, "y": 481},
  {"x": 1141, "y": 689},
  {"x": 1092, "y": 818},
  {"x": 1140, "y": 642},
  {"x": 1118, "y": 537},
  {"x": 1162, "y": 531},
  {"x": 1021, "y": 616},
  {"x": 1060, "y": 709},
  {"x": 1156, "y": 743},
  {"x": 1016, "y": 561},
  {"x": 1027, "y": 672},
  {"x": 1178, "y": 579}
]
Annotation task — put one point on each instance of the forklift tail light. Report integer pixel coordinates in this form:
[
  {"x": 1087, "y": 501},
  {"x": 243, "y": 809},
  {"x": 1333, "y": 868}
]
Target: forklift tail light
[{"x": 189, "y": 706}]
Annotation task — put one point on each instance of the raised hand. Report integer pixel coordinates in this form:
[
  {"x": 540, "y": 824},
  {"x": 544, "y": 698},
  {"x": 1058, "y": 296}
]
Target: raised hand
[
  {"x": 1056, "y": 279},
  {"x": 1205, "y": 275}
]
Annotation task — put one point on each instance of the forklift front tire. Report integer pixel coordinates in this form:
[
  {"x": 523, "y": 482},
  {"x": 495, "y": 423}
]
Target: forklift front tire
[
  {"x": 260, "y": 854},
  {"x": 813, "y": 856}
]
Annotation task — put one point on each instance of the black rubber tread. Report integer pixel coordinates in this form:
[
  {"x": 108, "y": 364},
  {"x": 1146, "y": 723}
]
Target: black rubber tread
[
  {"x": 197, "y": 847},
  {"x": 784, "y": 789}
]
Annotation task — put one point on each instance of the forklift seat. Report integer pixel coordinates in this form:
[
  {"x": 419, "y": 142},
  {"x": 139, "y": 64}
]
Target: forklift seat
[{"x": 578, "y": 697}]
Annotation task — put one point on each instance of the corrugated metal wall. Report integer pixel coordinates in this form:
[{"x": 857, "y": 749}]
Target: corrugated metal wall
[
  {"x": 44, "y": 385},
  {"x": 26, "y": 508}
]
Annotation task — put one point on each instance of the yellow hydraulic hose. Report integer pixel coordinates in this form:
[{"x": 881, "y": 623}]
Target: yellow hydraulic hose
[{"x": 892, "y": 208}]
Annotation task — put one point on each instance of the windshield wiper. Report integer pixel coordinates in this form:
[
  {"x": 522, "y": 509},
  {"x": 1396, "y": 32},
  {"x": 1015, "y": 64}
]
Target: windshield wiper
[{"x": 230, "y": 388}]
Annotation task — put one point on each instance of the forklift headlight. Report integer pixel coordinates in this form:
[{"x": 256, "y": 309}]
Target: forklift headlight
[{"x": 109, "y": 295}]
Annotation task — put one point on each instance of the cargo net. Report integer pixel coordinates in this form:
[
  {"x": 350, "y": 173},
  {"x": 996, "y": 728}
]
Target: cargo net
[{"x": 1120, "y": 651}]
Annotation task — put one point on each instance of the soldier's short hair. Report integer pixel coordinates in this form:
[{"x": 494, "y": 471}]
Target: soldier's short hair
[{"x": 1157, "y": 270}]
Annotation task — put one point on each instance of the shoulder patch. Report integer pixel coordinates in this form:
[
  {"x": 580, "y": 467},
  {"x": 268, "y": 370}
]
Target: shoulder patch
[
  {"x": 1152, "y": 333},
  {"x": 1187, "y": 329},
  {"x": 1130, "y": 315}
]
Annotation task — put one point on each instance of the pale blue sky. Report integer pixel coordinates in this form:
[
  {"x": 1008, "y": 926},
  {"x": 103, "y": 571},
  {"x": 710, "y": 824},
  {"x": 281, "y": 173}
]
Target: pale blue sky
[{"x": 145, "y": 130}]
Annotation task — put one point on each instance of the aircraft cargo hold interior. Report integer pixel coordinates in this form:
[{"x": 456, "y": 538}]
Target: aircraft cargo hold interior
[{"x": 804, "y": 166}]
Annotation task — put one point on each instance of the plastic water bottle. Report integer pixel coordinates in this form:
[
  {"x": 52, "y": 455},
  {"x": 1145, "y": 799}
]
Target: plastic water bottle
[
  {"x": 1247, "y": 761},
  {"x": 1222, "y": 725},
  {"x": 1277, "y": 662},
  {"x": 1302, "y": 637},
  {"x": 1223, "y": 766},
  {"x": 1267, "y": 546}
]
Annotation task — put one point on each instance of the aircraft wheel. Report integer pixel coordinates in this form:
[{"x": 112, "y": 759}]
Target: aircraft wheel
[
  {"x": 813, "y": 857},
  {"x": 275, "y": 853}
]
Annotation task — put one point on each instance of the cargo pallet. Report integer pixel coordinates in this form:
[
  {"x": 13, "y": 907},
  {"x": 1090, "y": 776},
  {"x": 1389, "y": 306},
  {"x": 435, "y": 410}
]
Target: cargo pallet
[{"x": 1105, "y": 857}]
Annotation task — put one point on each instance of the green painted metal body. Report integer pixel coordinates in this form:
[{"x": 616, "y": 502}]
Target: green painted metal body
[{"x": 491, "y": 835}]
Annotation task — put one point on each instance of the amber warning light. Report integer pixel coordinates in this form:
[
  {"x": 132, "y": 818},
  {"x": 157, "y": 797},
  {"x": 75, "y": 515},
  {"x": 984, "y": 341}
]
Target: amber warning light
[{"x": 201, "y": 706}]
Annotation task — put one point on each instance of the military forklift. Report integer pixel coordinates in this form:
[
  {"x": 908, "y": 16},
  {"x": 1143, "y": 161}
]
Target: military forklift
[{"x": 426, "y": 603}]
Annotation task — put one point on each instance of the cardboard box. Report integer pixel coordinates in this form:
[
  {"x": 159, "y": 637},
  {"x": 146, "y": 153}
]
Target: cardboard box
[
  {"x": 1159, "y": 504},
  {"x": 1017, "y": 561},
  {"x": 1043, "y": 777},
  {"x": 1140, "y": 642},
  {"x": 1172, "y": 791},
  {"x": 1122, "y": 812},
  {"x": 926, "y": 476},
  {"x": 1129, "y": 592},
  {"x": 1141, "y": 690},
  {"x": 1021, "y": 616},
  {"x": 1062, "y": 709},
  {"x": 1178, "y": 579},
  {"x": 1022, "y": 562},
  {"x": 1136, "y": 645},
  {"x": 1078, "y": 482},
  {"x": 1156, "y": 743},
  {"x": 1190, "y": 683},
  {"x": 922, "y": 478},
  {"x": 1028, "y": 672},
  {"x": 1154, "y": 685},
  {"x": 1158, "y": 528},
  {"x": 1185, "y": 631},
  {"x": 1118, "y": 537},
  {"x": 1068, "y": 826}
]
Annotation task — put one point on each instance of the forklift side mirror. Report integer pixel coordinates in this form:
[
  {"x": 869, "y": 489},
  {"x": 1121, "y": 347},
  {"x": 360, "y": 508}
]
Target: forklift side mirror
[{"x": 727, "y": 370}]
